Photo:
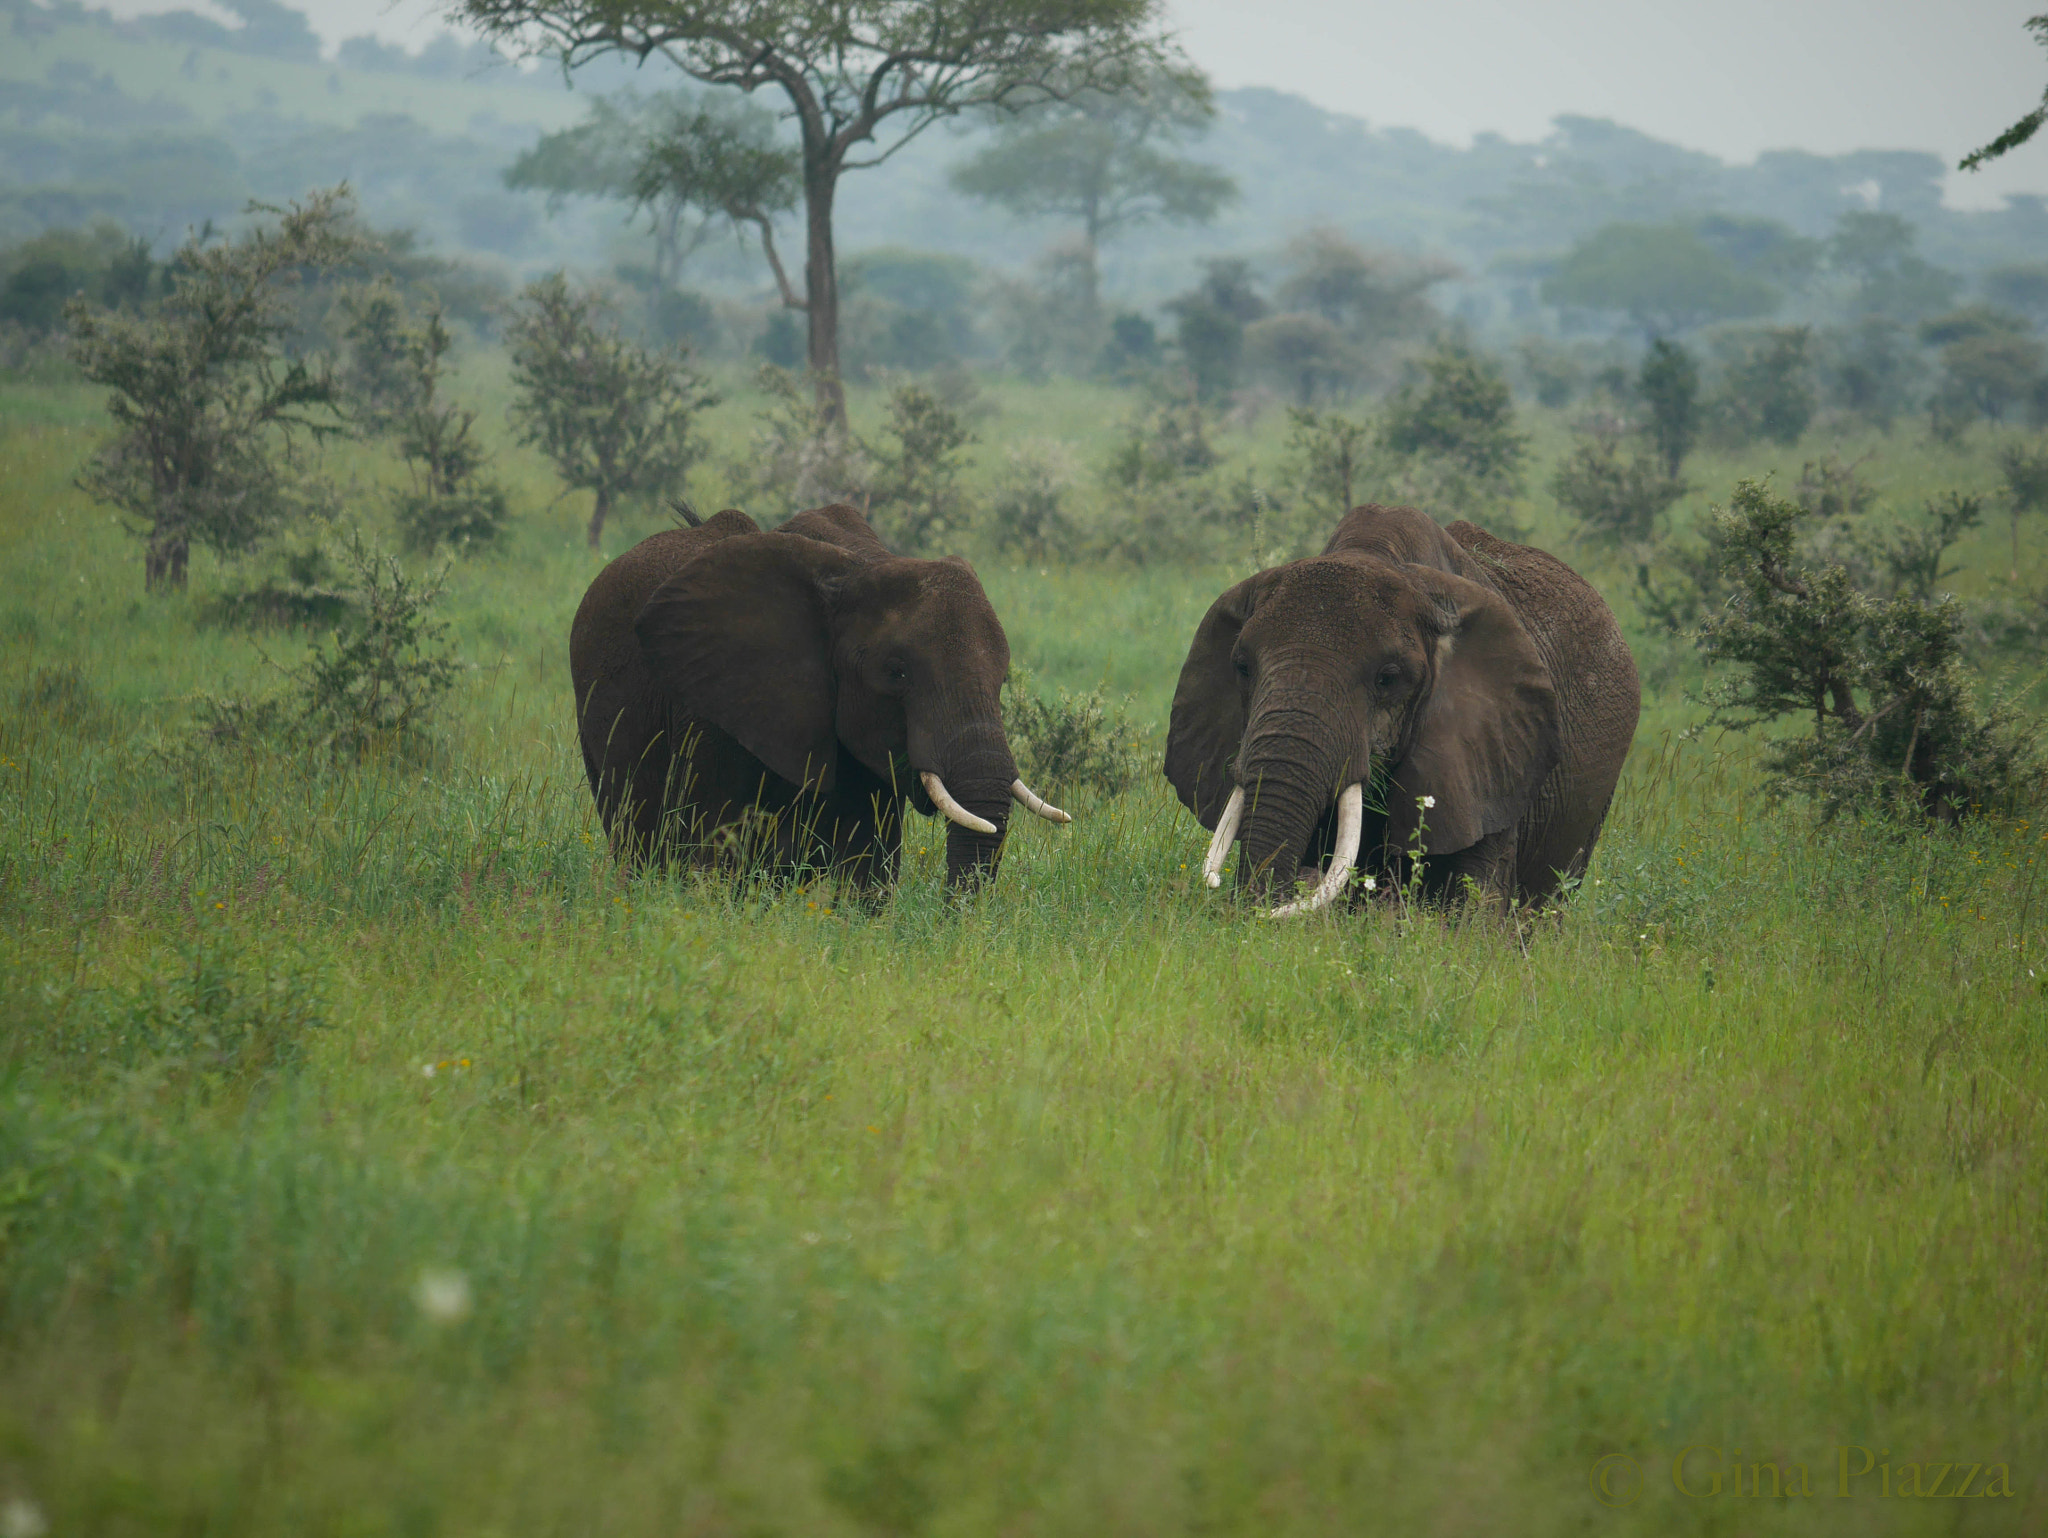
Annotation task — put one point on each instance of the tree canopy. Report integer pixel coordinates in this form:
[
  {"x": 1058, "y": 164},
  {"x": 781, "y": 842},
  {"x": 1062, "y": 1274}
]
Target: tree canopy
[
  {"x": 860, "y": 77},
  {"x": 1664, "y": 277},
  {"x": 669, "y": 156},
  {"x": 1104, "y": 159}
]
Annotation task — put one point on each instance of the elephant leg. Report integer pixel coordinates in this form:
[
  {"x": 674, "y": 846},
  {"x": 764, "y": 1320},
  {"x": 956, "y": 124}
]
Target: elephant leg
[
  {"x": 868, "y": 844},
  {"x": 1485, "y": 870}
]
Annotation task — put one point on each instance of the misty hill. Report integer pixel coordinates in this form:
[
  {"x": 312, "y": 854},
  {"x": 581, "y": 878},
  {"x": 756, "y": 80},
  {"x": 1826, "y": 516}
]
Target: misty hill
[{"x": 167, "y": 121}]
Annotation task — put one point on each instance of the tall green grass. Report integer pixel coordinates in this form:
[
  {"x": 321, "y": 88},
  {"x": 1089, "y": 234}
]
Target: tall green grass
[{"x": 376, "y": 1157}]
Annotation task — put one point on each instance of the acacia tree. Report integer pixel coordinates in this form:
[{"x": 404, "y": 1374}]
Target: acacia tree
[
  {"x": 854, "y": 73},
  {"x": 614, "y": 417},
  {"x": 668, "y": 157},
  {"x": 210, "y": 407},
  {"x": 2026, "y": 127},
  {"x": 1102, "y": 158}
]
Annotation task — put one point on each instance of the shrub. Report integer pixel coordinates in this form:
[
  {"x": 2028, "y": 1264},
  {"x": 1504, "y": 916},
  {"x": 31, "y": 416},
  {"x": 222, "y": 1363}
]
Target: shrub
[
  {"x": 210, "y": 405},
  {"x": 377, "y": 678},
  {"x": 1331, "y": 456},
  {"x": 1168, "y": 499},
  {"x": 915, "y": 495},
  {"x": 615, "y": 418},
  {"x": 1669, "y": 384},
  {"x": 394, "y": 375},
  {"x": 799, "y": 457},
  {"x": 1766, "y": 391},
  {"x": 472, "y": 516},
  {"x": 2025, "y": 469},
  {"x": 298, "y": 585},
  {"x": 1894, "y": 721},
  {"x": 1074, "y": 741},
  {"x": 1678, "y": 582},
  {"x": 1028, "y": 509},
  {"x": 1451, "y": 430},
  {"x": 1614, "y": 500}
]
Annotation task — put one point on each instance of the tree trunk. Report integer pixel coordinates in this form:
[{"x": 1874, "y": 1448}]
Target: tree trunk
[
  {"x": 599, "y": 508},
  {"x": 163, "y": 562},
  {"x": 821, "y": 293}
]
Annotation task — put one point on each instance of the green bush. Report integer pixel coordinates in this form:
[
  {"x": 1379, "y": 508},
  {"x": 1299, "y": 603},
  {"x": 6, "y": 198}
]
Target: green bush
[
  {"x": 1614, "y": 500},
  {"x": 1450, "y": 433},
  {"x": 294, "y": 585},
  {"x": 1895, "y": 723},
  {"x": 915, "y": 496},
  {"x": 1073, "y": 741},
  {"x": 798, "y": 457},
  {"x": 378, "y": 677},
  {"x": 471, "y": 516},
  {"x": 1168, "y": 497},
  {"x": 1766, "y": 390},
  {"x": 1028, "y": 513}
]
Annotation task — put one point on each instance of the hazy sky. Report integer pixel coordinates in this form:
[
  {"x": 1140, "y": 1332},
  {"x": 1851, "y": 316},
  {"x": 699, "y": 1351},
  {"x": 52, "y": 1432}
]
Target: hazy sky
[{"x": 1733, "y": 77}]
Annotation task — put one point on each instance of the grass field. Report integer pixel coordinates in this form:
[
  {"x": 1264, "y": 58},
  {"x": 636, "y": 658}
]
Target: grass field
[{"x": 375, "y": 1158}]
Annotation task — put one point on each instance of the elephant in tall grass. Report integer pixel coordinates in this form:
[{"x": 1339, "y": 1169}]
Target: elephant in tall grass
[
  {"x": 771, "y": 700},
  {"x": 1413, "y": 690}
]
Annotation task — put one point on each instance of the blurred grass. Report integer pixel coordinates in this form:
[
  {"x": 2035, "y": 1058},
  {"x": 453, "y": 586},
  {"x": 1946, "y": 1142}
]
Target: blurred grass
[{"x": 1095, "y": 1204}]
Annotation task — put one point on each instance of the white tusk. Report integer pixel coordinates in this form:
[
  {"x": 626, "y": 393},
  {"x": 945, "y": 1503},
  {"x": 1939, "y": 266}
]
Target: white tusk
[
  {"x": 955, "y": 812},
  {"x": 1219, "y": 843},
  {"x": 1033, "y": 801},
  {"x": 1350, "y": 822}
]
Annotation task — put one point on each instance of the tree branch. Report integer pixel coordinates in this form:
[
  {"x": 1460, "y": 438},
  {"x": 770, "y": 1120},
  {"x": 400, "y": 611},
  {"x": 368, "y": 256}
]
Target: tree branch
[{"x": 789, "y": 298}]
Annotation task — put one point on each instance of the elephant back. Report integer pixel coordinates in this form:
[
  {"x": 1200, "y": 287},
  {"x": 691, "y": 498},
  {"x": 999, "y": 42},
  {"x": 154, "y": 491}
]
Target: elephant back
[{"x": 601, "y": 639}]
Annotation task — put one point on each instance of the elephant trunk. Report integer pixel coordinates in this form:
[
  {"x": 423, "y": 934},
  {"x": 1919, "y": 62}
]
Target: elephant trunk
[
  {"x": 978, "y": 775},
  {"x": 1293, "y": 766}
]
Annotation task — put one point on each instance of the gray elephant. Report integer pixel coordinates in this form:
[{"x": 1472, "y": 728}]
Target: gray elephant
[
  {"x": 772, "y": 700},
  {"x": 1409, "y": 672}
]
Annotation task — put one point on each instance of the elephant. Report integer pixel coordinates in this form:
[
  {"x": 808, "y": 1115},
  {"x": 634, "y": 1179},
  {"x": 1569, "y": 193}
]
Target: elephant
[
  {"x": 1478, "y": 693},
  {"x": 771, "y": 699}
]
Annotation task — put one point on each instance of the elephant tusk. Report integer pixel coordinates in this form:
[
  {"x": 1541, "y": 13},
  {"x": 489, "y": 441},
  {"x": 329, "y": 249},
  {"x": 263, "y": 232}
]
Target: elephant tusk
[
  {"x": 1219, "y": 843},
  {"x": 1033, "y": 801},
  {"x": 1350, "y": 823},
  {"x": 955, "y": 812}
]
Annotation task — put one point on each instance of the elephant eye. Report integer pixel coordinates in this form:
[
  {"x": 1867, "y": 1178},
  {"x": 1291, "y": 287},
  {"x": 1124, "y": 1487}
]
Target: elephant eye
[
  {"x": 897, "y": 673},
  {"x": 1389, "y": 676},
  {"x": 1242, "y": 663}
]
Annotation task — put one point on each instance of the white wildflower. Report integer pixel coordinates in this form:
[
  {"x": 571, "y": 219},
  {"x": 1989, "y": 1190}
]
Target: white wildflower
[
  {"x": 1429, "y": 803},
  {"x": 443, "y": 1296},
  {"x": 1372, "y": 883}
]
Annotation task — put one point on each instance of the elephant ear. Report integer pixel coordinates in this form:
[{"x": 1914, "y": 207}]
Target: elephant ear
[
  {"x": 1487, "y": 734},
  {"x": 742, "y": 638},
  {"x": 1208, "y": 719}
]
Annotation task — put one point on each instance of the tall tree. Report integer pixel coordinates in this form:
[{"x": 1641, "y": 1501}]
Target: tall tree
[
  {"x": 670, "y": 156},
  {"x": 1104, "y": 159},
  {"x": 2026, "y": 127},
  {"x": 855, "y": 73}
]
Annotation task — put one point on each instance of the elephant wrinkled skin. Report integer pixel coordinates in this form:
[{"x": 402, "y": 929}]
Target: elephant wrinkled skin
[
  {"x": 1417, "y": 662},
  {"x": 772, "y": 699}
]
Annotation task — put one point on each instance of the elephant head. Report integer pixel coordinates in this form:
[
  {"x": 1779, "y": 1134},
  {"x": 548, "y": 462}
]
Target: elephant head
[
  {"x": 811, "y": 646},
  {"x": 1312, "y": 683}
]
